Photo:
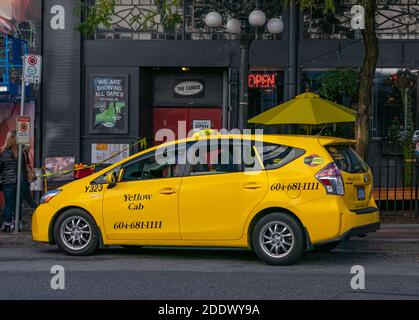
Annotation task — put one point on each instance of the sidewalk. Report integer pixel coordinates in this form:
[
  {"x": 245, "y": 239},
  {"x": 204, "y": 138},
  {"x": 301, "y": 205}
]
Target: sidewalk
[
  {"x": 390, "y": 239},
  {"x": 23, "y": 238},
  {"x": 17, "y": 239}
]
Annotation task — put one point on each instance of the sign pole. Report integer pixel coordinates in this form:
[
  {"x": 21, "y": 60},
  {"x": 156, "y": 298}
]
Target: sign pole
[
  {"x": 19, "y": 163},
  {"x": 31, "y": 73}
]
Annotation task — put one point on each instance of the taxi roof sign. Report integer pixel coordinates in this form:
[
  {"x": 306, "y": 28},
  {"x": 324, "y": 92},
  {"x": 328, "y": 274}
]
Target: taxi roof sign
[{"x": 205, "y": 132}]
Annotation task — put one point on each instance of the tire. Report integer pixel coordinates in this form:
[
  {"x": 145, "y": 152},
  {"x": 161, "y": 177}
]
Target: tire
[
  {"x": 287, "y": 236},
  {"x": 326, "y": 247},
  {"x": 80, "y": 226}
]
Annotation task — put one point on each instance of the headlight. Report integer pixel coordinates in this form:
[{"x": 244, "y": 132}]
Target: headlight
[{"x": 49, "y": 195}]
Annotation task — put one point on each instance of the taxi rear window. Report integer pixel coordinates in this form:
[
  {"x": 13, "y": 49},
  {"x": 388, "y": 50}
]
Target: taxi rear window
[
  {"x": 275, "y": 156},
  {"x": 347, "y": 159}
]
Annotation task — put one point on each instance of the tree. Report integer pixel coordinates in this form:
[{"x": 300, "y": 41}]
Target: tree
[
  {"x": 367, "y": 75},
  {"x": 369, "y": 64}
]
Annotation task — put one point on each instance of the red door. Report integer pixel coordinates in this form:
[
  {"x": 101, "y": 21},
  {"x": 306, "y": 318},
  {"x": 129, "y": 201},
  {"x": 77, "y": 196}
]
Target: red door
[{"x": 195, "y": 118}]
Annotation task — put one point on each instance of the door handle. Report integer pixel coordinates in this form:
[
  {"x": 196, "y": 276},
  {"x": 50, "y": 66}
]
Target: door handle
[
  {"x": 252, "y": 185},
  {"x": 167, "y": 190}
]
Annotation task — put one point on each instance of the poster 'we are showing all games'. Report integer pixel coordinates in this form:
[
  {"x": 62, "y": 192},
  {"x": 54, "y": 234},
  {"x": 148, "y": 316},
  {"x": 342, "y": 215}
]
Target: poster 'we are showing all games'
[{"x": 110, "y": 104}]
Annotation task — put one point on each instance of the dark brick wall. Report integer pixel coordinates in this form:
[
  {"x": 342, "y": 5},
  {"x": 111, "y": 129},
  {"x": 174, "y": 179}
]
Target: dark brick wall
[{"x": 61, "y": 84}]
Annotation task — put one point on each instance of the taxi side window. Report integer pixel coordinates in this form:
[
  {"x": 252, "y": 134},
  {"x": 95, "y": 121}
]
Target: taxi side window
[
  {"x": 154, "y": 165},
  {"x": 216, "y": 156},
  {"x": 275, "y": 156},
  {"x": 102, "y": 179}
]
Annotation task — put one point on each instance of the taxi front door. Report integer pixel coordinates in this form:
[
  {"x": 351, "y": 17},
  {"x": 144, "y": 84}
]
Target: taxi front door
[{"x": 144, "y": 203}]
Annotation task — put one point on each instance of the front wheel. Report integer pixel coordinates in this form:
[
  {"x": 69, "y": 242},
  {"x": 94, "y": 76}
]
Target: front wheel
[
  {"x": 76, "y": 233},
  {"x": 278, "y": 239}
]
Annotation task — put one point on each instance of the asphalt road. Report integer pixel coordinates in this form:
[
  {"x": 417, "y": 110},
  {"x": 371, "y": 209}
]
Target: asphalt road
[{"x": 390, "y": 259}]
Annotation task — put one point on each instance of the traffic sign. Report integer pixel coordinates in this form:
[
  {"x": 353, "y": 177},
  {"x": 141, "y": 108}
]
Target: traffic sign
[
  {"x": 23, "y": 132},
  {"x": 32, "y": 66}
]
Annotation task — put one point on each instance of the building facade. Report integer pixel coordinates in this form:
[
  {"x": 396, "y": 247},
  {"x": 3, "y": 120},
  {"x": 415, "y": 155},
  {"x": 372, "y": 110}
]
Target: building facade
[{"x": 139, "y": 75}]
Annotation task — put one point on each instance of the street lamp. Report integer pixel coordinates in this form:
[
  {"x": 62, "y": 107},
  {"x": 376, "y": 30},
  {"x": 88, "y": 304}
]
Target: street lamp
[
  {"x": 275, "y": 25},
  {"x": 243, "y": 15},
  {"x": 213, "y": 19},
  {"x": 257, "y": 18}
]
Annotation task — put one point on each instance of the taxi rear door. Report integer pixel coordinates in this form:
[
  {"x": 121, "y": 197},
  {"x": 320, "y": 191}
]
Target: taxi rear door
[{"x": 218, "y": 193}]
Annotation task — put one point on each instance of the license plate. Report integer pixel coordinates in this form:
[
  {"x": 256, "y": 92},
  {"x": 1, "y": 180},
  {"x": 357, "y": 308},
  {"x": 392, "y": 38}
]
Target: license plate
[{"x": 361, "y": 193}]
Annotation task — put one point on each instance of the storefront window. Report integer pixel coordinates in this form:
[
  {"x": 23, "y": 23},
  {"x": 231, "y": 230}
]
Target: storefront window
[
  {"x": 388, "y": 103},
  {"x": 266, "y": 90},
  {"x": 311, "y": 80}
]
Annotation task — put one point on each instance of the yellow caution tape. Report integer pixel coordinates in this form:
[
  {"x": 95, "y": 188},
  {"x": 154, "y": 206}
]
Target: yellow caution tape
[{"x": 143, "y": 145}]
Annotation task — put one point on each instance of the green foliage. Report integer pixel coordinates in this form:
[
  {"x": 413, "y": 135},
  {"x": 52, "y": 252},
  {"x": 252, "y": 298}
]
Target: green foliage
[
  {"x": 393, "y": 133},
  {"x": 402, "y": 79},
  {"x": 101, "y": 11},
  {"x": 328, "y": 22},
  {"x": 165, "y": 8},
  {"x": 329, "y": 6},
  {"x": 405, "y": 82},
  {"x": 337, "y": 83},
  {"x": 401, "y": 135}
]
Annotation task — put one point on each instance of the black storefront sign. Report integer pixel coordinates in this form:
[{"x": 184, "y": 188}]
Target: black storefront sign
[
  {"x": 189, "y": 88},
  {"x": 109, "y": 113}
]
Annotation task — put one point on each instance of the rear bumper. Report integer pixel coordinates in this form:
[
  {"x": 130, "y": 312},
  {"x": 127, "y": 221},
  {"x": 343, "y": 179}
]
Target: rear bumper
[
  {"x": 365, "y": 210},
  {"x": 355, "y": 231}
]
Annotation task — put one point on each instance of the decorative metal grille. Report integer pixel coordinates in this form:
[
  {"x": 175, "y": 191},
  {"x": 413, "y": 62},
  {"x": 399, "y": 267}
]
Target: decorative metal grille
[
  {"x": 395, "y": 19},
  {"x": 139, "y": 20}
]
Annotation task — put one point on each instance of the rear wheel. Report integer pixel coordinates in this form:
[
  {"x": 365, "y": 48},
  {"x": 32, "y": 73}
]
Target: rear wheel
[
  {"x": 278, "y": 239},
  {"x": 76, "y": 233}
]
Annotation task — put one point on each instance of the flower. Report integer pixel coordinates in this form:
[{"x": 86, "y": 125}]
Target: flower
[{"x": 394, "y": 77}]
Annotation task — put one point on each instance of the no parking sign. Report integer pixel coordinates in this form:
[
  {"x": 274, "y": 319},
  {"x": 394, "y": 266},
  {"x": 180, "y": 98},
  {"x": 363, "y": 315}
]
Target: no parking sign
[
  {"x": 32, "y": 68},
  {"x": 23, "y": 129}
]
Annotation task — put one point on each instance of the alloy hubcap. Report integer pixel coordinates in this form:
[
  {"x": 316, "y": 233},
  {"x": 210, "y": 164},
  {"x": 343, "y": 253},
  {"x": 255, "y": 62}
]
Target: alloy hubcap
[
  {"x": 277, "y": 239},
  {"x": 76, "y": 233}
]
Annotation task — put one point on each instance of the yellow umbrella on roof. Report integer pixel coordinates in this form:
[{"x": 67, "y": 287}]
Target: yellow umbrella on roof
[{"x": 306, "y": 108}]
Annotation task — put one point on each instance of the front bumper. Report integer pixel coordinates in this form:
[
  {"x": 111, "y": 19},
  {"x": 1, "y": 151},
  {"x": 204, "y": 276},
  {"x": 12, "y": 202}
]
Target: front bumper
[{"x": 41, "y": 220}]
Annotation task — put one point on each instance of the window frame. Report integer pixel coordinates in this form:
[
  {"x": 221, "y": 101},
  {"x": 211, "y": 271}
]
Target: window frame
[
  {"x": 145, "y": 156},
  {"x": 284, "y": 164},
  {"x": 257, "y": 158}
]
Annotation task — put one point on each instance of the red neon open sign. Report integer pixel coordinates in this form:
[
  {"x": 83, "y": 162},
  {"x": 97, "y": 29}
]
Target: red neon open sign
[{"x": 261, "y": 80}]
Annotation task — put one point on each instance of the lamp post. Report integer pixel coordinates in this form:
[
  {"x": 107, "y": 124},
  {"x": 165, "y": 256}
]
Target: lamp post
[{"x": 243, "y": 15}]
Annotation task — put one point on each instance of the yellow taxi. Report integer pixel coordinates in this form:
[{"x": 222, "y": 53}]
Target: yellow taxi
[{"x": 279, "y": 195}]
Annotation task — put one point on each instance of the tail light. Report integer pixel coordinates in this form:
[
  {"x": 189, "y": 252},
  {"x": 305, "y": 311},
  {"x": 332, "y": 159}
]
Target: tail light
[{"x": 331, "y": 178}]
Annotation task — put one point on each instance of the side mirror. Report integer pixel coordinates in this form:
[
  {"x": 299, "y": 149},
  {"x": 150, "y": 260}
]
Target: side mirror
[{"x": 111, "y": 180}]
